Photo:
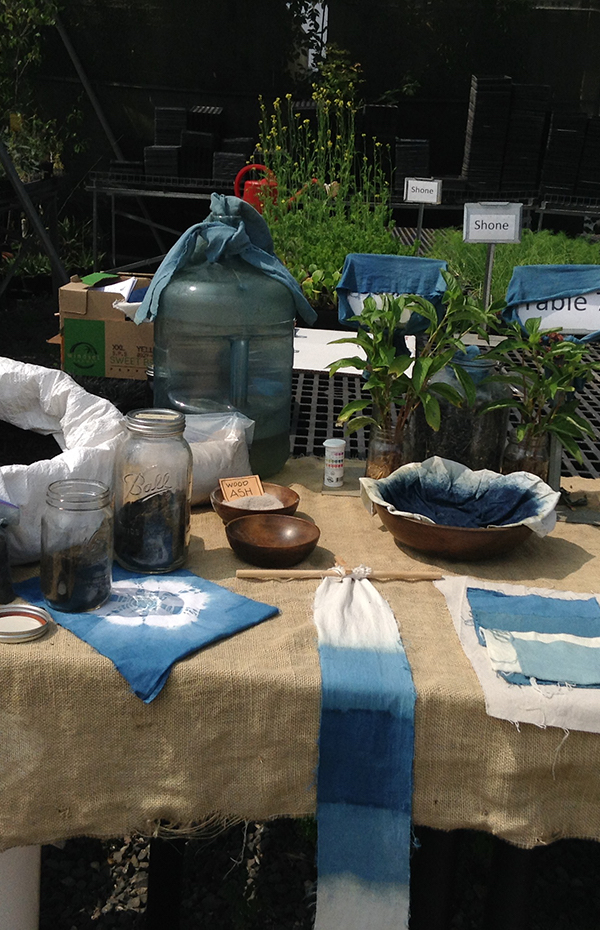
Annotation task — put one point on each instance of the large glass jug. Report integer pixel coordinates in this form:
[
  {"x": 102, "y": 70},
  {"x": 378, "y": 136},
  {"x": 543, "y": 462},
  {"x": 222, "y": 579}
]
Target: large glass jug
[{"x": 223, "y": 340}]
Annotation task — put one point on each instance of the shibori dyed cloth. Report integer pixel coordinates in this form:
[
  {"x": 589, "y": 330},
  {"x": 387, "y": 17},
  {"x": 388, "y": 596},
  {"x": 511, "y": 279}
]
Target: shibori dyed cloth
[
  {"x": 536, "y": 651},
  {"x": 364, "y": 786},
  {"x": 151, "y": 621}
]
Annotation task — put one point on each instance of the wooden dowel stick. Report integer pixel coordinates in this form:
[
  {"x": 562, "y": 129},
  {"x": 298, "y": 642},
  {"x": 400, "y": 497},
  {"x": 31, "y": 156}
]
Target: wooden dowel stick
[{"x": 277, "y": 574}]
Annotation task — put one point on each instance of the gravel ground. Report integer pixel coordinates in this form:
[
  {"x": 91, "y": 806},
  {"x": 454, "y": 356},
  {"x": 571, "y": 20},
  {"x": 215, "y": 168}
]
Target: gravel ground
[
  {"x": 248, "y": 877},
  {"x": 262, "y": 877}
]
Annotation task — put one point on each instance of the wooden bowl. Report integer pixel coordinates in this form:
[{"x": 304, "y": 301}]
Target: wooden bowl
[
  {"x": 272, "y": 540},
  {"x": 452, "y": 542},
  {"x": 288, "y": 498}
]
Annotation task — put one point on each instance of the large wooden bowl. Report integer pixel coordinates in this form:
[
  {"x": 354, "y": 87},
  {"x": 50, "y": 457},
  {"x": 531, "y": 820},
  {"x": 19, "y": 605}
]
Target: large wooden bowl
[
  {"x": 452, "y": 542},
  {"x": 272, "y": 540},
  {"x": 290, "y": 500}
]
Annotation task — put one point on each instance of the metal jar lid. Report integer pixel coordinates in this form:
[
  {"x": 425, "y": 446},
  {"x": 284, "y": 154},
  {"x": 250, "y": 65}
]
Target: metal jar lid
[
  {"x": 20, "y": 623},
  {"x": 156, "y": 422}
]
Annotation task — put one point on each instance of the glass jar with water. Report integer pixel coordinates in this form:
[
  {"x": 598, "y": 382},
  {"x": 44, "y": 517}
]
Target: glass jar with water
[{"x": 223, "y": 340}]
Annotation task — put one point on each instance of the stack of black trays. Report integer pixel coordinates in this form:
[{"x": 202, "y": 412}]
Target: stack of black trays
[
  {"x": 412, "y": 160},
  {"x": 162, "y": 160},
  {"x": 487, "y": 127},
  {"x": 379, "y": 121},
  {"x": 169, "y": 123},
  {"x": 588, "y": 182},
  {"x": 307, "y": 109},
  {"x": 563, "y": 153},
  {"x": 197, "y": 153},
  {"x": 526, "y": 137},
  {"x": 185, "y": 141},
  {"x": 226, "y": 165},
  {"x": 126, "y": 168},
  {"x": 206, "y": 119}
]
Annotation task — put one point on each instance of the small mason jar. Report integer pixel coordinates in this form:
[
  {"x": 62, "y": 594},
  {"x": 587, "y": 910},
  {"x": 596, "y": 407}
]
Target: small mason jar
[
  {"x": 77, "y": 545},
  {"x": 153, "y": 488},
  {"x": 531, "y": 454}
]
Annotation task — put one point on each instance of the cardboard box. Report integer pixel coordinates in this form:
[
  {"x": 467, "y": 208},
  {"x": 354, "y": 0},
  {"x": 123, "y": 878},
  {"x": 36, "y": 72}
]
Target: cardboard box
[{"x": 99, "y": 340}]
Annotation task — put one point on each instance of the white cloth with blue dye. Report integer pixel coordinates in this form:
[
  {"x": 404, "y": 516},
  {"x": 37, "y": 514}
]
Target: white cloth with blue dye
[
  {"x": 444, "y": 492},
  {"x": 536, "y": 651},
  {"x": 366, "y": 746}
]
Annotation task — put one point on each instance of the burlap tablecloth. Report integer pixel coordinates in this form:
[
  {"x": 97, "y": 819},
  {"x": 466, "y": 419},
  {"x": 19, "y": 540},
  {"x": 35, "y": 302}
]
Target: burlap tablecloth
[{"x": 234, "y": 732}]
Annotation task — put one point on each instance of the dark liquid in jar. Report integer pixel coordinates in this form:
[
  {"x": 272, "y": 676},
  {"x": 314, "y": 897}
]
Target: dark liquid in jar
[
  {"x": 151, "y": 534},
  {"x": 75, "y": 580}
]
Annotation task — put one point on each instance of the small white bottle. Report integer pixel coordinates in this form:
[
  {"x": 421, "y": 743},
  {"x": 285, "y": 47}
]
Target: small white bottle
[{"x": 334, "y": 463}]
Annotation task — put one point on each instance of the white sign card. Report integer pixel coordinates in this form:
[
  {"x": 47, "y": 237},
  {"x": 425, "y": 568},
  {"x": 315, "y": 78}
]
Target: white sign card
[
  {"x": 422, "y": 190},
  {"x": 575, "y": 315},
  {"x": 492, "y": 222}
]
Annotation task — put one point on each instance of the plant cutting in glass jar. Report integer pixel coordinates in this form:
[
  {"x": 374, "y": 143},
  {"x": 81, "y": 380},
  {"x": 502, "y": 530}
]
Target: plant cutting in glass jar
[
  {"x": 545, "y": 369},
  {"x": 392, "y": 386}
]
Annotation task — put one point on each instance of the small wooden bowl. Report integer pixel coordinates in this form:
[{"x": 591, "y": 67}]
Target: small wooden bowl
[
  {"x": 453, "y": 542},
  {"x": 288, "y": 498},
  {"x": 272, "y": 540}
]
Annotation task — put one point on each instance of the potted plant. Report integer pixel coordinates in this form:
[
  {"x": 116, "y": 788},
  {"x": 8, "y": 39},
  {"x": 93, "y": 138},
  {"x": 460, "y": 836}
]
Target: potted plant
[
  {"x": 397, "y": 385},
  {"x": 545, "y": 370}
]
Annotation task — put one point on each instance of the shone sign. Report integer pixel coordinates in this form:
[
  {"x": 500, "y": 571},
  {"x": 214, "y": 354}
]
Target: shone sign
[
  {"x": 422, "y": 190},
  {"x": 492, "y": 222}
]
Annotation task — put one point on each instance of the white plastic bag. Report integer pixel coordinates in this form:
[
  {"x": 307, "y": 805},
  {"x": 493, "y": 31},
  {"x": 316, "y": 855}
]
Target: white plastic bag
[
  {"x": 88, "y": 429},
  {"x": 219, "y": 444}
]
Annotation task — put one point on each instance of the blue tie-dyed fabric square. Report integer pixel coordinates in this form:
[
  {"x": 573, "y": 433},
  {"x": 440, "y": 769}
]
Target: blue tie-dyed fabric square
[{"x": 151, "y": 621}]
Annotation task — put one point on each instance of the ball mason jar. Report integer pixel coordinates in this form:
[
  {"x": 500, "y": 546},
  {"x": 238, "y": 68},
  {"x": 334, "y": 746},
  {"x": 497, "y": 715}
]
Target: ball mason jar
[
  {"x": 77, "y": 545},
  {"x": 153, "y": 488}
]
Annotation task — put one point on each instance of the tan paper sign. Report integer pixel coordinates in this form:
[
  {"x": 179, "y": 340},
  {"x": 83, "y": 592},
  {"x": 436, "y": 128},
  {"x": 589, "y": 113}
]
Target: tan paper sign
[{"x": 235, "y": 488}]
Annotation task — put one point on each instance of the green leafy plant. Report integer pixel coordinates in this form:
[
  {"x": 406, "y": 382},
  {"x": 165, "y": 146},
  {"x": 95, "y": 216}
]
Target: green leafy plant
[
  {"x": 546, "y": 369},
  {"x": 75, "y": 246},
  {"x": 391, "y": 385},
  {"x": 338, "y": 77},
  {"x": 31, "y": 140}
]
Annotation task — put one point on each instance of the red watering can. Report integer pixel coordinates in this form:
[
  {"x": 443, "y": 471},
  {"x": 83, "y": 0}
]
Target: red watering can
[{"x": 256, "y": 192}]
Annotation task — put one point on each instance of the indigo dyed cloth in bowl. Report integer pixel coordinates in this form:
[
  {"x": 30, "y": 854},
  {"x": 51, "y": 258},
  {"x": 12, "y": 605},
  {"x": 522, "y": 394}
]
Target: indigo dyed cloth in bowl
[{"x": 444, "y": 492}]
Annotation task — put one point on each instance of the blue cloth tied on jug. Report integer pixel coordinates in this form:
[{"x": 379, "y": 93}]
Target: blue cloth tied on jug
[
  {"x": 233, "y": 227},
  {"x": 151, "y": 621}
]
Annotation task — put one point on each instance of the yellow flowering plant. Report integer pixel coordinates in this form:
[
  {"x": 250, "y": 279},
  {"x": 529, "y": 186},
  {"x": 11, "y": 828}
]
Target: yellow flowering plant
[{"x": 332, "y": 199}]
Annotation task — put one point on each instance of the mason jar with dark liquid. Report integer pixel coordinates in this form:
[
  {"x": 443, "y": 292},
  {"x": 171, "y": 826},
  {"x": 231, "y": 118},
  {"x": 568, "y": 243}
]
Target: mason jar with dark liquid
[
  {"x": 153, "y": 486},
  {"x": 77, "y": 545}
]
